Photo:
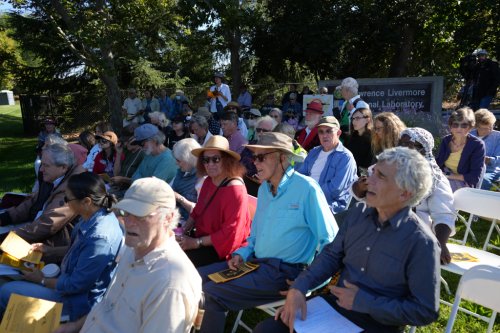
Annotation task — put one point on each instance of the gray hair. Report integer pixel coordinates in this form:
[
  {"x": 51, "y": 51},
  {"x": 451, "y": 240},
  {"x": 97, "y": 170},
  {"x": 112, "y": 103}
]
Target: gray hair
[
  {"x": 350, "y": 85},
  {"x": 182, "y": 151},
  {"x": 164, "y": 211},
  {"x": 266, "y": 119},
  {"x": 413, "y": 172},
  {"x": 61, "y": 154},
  {"x": 285, "y": 128},
  {"x": 158, "y": 138},
  {"x": 53, "y": 139},
  {"x": 160, "y": 116},
  {"x": 200, "y": 121}
]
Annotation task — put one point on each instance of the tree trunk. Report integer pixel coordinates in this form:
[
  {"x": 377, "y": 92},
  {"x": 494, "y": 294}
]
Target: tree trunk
[
  {"x": 399, "y": 64},
  {"x": 235, "y": 45},
  {"x": 109, "y": 76}
]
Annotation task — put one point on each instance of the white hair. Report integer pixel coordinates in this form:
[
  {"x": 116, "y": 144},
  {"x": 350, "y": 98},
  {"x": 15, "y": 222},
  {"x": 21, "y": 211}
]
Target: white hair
[
  {"x": 61, "y": 154},
  {"x": 182, "y": 151},
  {"x": 266, "y": 119},
  {"x": 163, "y": 212},
  {"x": 350, "y": 85},
  {"x": 160, "y": 116},
  {"x": 413, "y": 173}
]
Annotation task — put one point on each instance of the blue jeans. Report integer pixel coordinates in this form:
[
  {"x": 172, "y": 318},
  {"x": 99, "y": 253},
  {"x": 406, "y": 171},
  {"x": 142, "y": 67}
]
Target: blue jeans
[{"x": 28, "y": 289}]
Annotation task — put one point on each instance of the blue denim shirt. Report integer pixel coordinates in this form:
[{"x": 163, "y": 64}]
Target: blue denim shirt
[
  {"x": 337, "y": 175},
  {"x": 89, "y": 264},
  {"x": 395, "y": 265}
]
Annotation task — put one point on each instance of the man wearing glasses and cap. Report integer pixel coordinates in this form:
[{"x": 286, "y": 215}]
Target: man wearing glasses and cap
[
  {"x": 291, "y": 208},
  {"x": 158, "y": 160},
  {"x": 156, "y": 287}
]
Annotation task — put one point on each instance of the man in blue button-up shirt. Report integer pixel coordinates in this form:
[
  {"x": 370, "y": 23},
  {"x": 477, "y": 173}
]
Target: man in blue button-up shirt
[
  {"x": 388, "y": 258},
  {"x": 292, "y": 222}
]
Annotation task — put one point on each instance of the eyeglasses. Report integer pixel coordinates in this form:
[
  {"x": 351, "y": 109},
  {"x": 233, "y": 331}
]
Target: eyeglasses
[
  {"x": 326, "y": 131},
  {"x": 411, "y": 145},
  {"x": 261, "y": 157},
  {"x": 461, "y": 125},
  {"x": 66, "y": 199},
  {"x": 359, "y": 118},
  {"x": 251, "y": 116},
  {"x": 122, "y": 213},
  {"x": 104, "y": 141},
  {"x": 261, "y": 130},
  {"x": 213, "y": 159}
]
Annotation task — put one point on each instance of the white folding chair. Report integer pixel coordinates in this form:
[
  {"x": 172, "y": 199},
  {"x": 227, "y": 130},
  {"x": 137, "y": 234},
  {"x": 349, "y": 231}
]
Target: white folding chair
[
  {"x": 481, "y": 203},
  {"x": 481, "y": 285}
]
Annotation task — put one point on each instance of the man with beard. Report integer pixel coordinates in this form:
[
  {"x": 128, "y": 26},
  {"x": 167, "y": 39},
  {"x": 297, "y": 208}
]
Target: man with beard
[
  {"x": 158, "y": 160},
  {"x": 308, "y": 136}
]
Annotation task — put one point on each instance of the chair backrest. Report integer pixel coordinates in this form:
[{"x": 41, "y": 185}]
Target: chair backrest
[
  {"x": 252, "y": 205},
  {"x": 481, "y": 285},
  {"x": 478, "y": 202}
]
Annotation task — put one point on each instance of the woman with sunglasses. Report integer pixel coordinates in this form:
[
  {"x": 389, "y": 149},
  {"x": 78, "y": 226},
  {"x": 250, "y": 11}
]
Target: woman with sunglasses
[
  {"x": 89, "y": 262},
  {"x": 360, "y": 138},
  {"x": 461, "y": 155},
  {"x": 104, "y": 162},
  {"x": 221, "y": 216}
]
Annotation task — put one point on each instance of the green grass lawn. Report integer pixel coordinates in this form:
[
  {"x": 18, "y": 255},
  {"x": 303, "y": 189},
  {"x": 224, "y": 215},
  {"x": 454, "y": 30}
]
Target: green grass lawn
[
  {"x": 17, "y": 152},
  {"x": 17, "y": 174}
]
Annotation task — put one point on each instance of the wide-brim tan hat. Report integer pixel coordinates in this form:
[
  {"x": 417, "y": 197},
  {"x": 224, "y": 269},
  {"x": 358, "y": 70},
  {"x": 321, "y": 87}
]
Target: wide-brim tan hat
[
  {"x": 274, "y": 140},
  {"x": 216, "y": 142}
]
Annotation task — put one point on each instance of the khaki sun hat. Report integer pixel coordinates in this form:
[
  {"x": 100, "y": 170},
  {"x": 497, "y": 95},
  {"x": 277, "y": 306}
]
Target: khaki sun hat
[
  {"x": 274, "y": 140},
  {"x": 110, "y": 136},
  {"x": 216, "y": 142},
  {"x": 145, "y": 195}
]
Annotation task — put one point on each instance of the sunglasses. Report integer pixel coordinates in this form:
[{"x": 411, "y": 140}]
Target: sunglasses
[
  {"x": 251, "y": 116},
  {"x": 291, "y": 116},
  {"x": 261, "y": 157},
  {"x": 261, "y": 130},
  {"x": 461, "y": 125},
  {"x": 359, "y": 118},
  {"x": 213, "y": 159},
  {"x": 66, "y": 199},
  {"x": 104, "y": 141}
]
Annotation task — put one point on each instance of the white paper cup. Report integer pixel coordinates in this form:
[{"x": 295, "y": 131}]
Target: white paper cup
[{"x": 51, "y": 271}]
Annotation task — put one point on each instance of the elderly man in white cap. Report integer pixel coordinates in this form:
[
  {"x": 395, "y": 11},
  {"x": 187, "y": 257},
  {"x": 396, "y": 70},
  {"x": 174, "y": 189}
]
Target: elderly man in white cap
[
  {"x": 156, "y": 287},
  {"x": 292, "y": 222}
]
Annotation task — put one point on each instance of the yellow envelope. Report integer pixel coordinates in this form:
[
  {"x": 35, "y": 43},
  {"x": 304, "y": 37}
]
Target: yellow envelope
[{"x": 18, "y": 248}]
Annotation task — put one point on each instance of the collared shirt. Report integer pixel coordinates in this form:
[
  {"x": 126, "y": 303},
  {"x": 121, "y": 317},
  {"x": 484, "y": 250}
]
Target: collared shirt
[
  {"x": 132, "y": 105},
  {"x": 158, "y": 293},
  {"x": 292, "y": 225},
  {"x": 395, "y": 265},
  {"x": 160, "y": 166},
  {"x": 336, "y": 177},
  {"x": 89, "y": 264}
]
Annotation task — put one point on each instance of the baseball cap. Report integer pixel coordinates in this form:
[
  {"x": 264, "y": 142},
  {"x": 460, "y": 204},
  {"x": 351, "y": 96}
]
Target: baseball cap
[
  {"x": 145, "y": 195},
  {"x": 144, "y": 132}
]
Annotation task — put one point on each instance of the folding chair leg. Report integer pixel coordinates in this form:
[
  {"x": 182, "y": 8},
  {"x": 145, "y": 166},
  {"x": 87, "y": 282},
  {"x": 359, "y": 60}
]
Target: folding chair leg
[
  {"x": 490, "y": 232},
  {"x": 491, "y": 322},
  {"x": 445, "y": 284},
  {"x": 239, "y": 322}
]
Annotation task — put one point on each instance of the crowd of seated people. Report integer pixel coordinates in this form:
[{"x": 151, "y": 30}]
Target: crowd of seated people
[{"x": 171, "y": 169}]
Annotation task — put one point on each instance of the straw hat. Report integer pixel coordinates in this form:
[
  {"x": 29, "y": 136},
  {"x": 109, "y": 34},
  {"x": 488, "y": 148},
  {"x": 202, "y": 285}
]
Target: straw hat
[
  {"x": 216, "y": 142},
  {"x": 110, "y": 136}
]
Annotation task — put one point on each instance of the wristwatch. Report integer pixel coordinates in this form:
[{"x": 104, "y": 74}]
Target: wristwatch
[{"x": 199, "y": 242}]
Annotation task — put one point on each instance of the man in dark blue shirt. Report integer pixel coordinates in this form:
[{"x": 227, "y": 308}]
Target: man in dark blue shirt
[{"x": 388, "y": 258}]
